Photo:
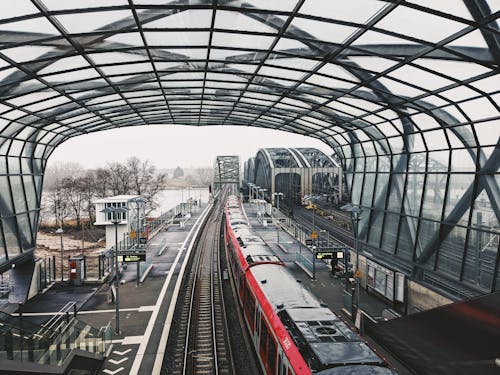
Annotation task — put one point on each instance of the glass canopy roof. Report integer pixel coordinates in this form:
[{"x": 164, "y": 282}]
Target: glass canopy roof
[
  {"x": 328, "y": 69},
  {"x": 406, "y": 92}
]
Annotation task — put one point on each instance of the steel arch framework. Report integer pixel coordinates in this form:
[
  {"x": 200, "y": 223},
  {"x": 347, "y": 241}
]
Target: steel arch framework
[
  {"x": 383, "y": 82},
  {"x": 294, "y": 172}
]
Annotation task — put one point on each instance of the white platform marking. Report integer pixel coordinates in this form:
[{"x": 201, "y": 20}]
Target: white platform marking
[
  {"x": 121, "y": 353},
  {"x": 113, "y": 372},
  {"x": 119, "y": 361},
  {"x": 132, "y": 340}
]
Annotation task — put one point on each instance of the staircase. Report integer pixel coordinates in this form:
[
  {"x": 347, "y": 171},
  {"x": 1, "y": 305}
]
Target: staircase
[{"x": 61, "y": 344}]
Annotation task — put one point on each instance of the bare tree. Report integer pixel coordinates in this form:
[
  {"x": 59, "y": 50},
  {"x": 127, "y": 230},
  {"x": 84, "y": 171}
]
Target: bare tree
[
  {"x": 58, "y": 204},
  {"x": 144, "y": 180},
  {"x": 74, "y": 193},
  {"x": 72, "y": 187},
  {"x": 119, "y": 178}
]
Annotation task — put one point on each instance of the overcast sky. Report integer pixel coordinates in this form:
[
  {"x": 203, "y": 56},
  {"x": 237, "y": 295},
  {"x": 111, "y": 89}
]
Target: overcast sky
[{"x": 172, "y": 146}]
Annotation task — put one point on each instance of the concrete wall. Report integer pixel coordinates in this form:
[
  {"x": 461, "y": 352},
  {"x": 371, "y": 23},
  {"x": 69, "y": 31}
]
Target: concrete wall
[
  {"x": 421, "y": 298},
  {"x": 110, "y": 234}
]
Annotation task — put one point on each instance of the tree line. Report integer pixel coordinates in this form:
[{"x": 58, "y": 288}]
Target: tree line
[{"x": 69, "y": 189}]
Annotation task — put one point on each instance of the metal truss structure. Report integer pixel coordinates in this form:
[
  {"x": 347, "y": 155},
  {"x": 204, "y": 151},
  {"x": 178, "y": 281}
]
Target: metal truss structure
[
  {"x": 405, "y": 92},
  {"x": 294, "y": 172},
  {"x": 226, "y": 171}
]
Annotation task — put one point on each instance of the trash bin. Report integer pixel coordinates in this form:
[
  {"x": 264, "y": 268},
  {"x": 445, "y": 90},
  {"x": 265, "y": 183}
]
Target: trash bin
[{"x": 76, "y": 268}]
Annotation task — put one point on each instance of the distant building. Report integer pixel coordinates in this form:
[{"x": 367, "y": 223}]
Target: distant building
[
  {"x": 178, "y": 172},
  {"x": 131, "y": 222}
]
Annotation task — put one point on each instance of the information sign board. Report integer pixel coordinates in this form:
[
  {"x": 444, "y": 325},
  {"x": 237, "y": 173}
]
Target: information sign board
[
  {"x": 131, "y": 256},
  {"x": 324, "y": 255}
]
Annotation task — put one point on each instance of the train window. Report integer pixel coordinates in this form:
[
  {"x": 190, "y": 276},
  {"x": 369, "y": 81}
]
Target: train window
[
  {"x": 263, "y": 338},
  {"x": 250, "y": 308},
  {"x": 271, "y": 354}
]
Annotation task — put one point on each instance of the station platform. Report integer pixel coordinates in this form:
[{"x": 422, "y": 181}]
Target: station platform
[
  {"x": 325, "y": 286},
  {"x": 143, "y": 307}
]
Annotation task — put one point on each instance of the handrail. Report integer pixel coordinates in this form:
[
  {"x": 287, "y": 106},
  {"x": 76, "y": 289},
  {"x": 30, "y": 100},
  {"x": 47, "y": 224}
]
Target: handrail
[{"x": 56, "y": 321}]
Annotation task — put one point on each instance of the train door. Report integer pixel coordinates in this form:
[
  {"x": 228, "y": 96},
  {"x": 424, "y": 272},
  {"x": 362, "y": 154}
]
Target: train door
[
  {"x": 267, "y": 348},
  {"x": 256, "y": 337},
  {"x": 283, "y": 364}
]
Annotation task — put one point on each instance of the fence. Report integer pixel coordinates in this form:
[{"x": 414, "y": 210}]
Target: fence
[{"x": 97, "y": 266}]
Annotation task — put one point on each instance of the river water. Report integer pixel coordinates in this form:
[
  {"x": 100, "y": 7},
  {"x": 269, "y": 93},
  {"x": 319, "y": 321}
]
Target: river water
[{"x": 170, "y": 198}]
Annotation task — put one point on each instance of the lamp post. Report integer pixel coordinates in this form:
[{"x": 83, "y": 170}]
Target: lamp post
[
  {"x": 250, "y": 191},
  {"x": 278, "y": 195},
  {"x": 61, "y": 231},
  {"x": 355, "y": 211},
  {"x": 262, "y": 190},
  {"x": 314, "y": 263},
  {"x": 117, "y": 213}
]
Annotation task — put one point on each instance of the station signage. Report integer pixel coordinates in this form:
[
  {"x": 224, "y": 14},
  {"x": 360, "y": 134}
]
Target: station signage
[
  {"x": 309, "y": 242},
  {"x": 324, "y": 255},
  {"x": 131, "y": 256}
]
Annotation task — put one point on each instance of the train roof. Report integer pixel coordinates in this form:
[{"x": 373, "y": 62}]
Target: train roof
[
  {"x": 281, "y": 289},
  {"x": 330, "y": 340}
]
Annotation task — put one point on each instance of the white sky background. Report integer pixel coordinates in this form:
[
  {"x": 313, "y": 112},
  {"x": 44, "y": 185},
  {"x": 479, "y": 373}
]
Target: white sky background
[{"x": 171, "y": 146}]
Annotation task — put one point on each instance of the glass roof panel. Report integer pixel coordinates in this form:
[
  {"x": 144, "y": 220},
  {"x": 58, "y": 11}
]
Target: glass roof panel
[
  {"x": 177, "y": 38},
  {"x": 36, "y": 25},
  {"x": 362, "y": 12},
  {"x": 241, "y": 40},
  {"x": 416, "y": 76},
  {"x": 401, "y": 20},
  {"x": 22, "y": 7},
  {"x": 474, "y": 39},
  {"x": 480, "y": 108},
  {"x": 128, "y": 39},
  {"x": 323, "y": 31},
  {"x": 372, "y": 37},
  {"x": 453, "y": 7},
  {"x": 283, "y": 73},
  {"x": 282, "y": 5},
  {"x": 81, "y": 4},
  {"x": 27, "y": 54},
  {"x": 87, "y": 22},
  {"x": 231, "y": 20},
  {"x": 459, "y": 70},
  {"x": 66, "y": 63},
  {"x": 193, "y": 19}
]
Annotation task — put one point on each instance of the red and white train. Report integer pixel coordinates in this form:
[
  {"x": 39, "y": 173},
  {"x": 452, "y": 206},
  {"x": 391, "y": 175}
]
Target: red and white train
[{"x": 292, "y": 332}]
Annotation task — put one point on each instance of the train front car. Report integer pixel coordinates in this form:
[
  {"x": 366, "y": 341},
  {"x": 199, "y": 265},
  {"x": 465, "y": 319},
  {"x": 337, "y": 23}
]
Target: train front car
[{"x": 292, "y": 331}]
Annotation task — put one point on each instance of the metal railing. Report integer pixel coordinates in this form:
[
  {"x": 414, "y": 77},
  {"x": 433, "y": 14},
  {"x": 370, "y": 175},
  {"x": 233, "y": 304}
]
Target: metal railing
[{"x": 51, "y": 343}]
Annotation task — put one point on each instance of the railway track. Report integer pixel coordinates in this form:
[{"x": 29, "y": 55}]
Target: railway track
[{"x": 201, "y": 344}]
